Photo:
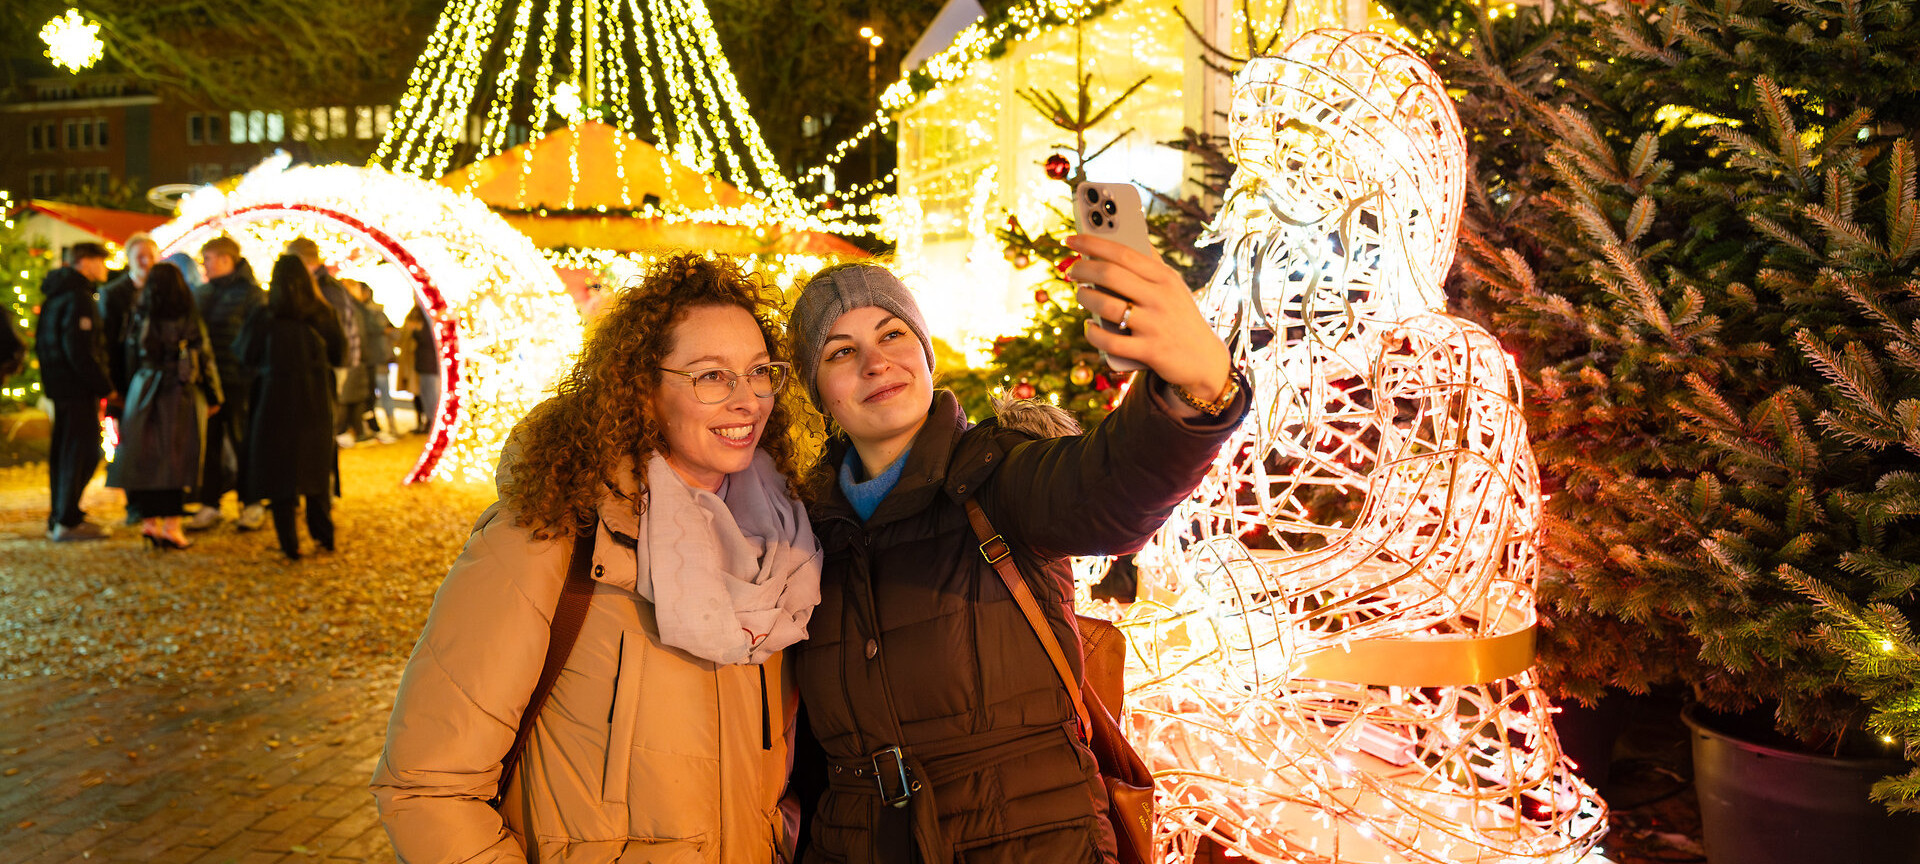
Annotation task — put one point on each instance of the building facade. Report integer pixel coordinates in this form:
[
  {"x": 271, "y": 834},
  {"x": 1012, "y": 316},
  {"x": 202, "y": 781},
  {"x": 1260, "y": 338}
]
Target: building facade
[{"x": 103, "y": 139}]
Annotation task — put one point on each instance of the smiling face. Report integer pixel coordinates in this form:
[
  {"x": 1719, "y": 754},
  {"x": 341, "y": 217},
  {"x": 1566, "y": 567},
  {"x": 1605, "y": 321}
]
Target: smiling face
[
  {"x": 704, "y": 443},
  {"x": 874, "y": 381}
]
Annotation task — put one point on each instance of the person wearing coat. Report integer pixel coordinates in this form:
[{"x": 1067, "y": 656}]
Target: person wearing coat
[
  {"x": 75, "y": 376},
  {"x": 227, "y": 299},
  {"x": 292, "y": 345},
  {"x": 666, "y": 736},
  {"x": 947, "y": 733},
  {"x": 117, "y": 300},
  {"x": 174, "y": 386}
]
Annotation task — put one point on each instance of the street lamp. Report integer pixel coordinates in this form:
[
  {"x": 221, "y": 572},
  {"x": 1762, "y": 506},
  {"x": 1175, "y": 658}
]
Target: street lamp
[
  {"x": 73, "y": 42},
  {"x": 873, "y": 147}
]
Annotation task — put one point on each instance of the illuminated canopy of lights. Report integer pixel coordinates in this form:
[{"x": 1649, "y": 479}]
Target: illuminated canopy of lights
[
  {"x": 1332, "y": 648},
  {"x": 73, "y": 42},
  {"x": 504, "y": 324},
  {"x": 497, "y": 70}
]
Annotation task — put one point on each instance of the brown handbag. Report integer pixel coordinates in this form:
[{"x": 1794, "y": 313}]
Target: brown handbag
[{"x": 1129, "y": 783}]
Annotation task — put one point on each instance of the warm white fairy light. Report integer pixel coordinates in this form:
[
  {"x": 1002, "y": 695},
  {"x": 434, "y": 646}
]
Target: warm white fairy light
[
  {"x": 73, "y": 42},
  {"x": 1330, "y": 659},
  {"x": 505, "y": 324},
  {"x": 585, "y": 62}
]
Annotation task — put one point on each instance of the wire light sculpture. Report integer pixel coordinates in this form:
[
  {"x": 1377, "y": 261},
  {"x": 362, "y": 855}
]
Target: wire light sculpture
[{"x": 1331, "y": 649}]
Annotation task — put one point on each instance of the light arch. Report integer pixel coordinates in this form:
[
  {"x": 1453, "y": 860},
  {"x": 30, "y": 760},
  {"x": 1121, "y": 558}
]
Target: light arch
[{"x": 503, "y": 322}]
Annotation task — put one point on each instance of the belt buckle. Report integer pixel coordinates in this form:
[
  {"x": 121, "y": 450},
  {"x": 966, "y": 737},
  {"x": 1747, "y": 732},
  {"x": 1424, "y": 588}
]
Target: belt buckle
[{"x": 899, "y": 771}]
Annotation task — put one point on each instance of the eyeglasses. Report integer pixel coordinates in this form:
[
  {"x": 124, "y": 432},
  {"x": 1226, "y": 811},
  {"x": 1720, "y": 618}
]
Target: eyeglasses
[{"x": 714, "y": 386}]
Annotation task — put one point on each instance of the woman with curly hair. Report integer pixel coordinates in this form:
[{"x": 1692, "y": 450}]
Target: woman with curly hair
[{"x": 663, "y": 460}]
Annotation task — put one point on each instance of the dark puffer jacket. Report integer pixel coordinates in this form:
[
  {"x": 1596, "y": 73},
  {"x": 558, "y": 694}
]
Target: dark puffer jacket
[
  {"x": 69, "y": 339},
  {"x": 225, "y": 304},
  {"x": 918, "y": 644}
]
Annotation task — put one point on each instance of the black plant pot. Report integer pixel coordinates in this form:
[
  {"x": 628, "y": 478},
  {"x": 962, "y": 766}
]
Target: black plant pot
[
  {"x": 1588, "y": 735},
  {"x": 1765, "y": 803}
]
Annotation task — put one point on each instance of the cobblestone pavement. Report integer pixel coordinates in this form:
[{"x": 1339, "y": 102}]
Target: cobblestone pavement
[
  {"x": 169, "y": 774},
  {"x": 217, "y": 704}
]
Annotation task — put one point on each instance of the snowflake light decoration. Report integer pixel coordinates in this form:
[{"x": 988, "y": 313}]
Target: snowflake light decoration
[{"x": 73, "y": 42}]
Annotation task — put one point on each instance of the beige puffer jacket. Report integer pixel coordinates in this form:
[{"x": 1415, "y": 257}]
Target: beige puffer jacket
[{"x": 643, "y": 753}]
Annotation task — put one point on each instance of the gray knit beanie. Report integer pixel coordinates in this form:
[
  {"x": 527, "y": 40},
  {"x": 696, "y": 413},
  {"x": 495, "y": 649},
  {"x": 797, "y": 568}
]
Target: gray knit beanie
[{"x": 837, "y": 292}]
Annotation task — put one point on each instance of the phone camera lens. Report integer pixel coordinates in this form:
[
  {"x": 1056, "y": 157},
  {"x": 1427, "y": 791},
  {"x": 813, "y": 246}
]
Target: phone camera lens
[
  {"x": 1096, "y": 219},
  {"x": 1108, "y": 206},
  {"x": 1093, "y": 195}
]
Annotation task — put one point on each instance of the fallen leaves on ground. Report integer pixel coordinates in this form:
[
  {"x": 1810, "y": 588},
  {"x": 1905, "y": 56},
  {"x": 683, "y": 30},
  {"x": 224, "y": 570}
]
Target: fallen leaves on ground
[{"x": 229, "y": 612}]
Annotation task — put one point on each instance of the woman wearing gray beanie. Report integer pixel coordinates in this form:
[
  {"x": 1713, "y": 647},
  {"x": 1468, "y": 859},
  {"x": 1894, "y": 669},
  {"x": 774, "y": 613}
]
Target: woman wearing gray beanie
[{"x": 947, "y": 731}]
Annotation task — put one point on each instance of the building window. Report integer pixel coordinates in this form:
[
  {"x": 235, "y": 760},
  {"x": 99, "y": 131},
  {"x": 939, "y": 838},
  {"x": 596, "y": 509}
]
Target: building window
[
  {"x": 382, "y": 117},
  {"x": 276, "y": 126},
  {"x": 196, "y": 128},
  {"x": 33, "y": 138},
  {"x": 213, "y": 128},
  {"x": 363, "y": 122},
  {"x": 86, "y": 134},
  {"x": 237, "y": 127},
  {"x": 318, "y": 123},
  {"x": 101, "y": 126},
  {"x": 338, "y": 127},
  {"x": 73, "y": 135}
]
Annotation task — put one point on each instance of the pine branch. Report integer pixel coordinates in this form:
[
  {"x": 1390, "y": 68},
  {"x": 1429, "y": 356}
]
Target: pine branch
[{"x": 1903, "y": 211}]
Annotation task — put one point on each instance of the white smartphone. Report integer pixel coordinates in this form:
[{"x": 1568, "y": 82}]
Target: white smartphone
[{"x": 1113, "y": 211}]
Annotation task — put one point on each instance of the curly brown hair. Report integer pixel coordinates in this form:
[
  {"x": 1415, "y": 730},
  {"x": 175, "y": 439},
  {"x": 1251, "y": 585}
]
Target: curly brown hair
[{"x": 570, "y": 445}]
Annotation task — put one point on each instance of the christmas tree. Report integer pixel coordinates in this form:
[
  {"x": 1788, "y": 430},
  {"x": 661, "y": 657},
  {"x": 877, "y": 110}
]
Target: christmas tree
[
  {"x": 1694, "y": 223},
  {"x": 24, "y": 267}
]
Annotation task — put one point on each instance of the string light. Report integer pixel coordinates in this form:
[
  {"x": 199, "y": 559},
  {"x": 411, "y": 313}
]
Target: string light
[
  {"x": 504, "y": 324},
  {"x": 73, "y": 42},
  {"x": 586, "y": 59},
  {"x": 1330, "y": 657}
]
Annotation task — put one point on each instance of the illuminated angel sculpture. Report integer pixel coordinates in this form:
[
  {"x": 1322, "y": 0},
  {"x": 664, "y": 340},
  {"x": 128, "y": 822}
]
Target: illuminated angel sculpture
[{"x": 1332, "y": 647}]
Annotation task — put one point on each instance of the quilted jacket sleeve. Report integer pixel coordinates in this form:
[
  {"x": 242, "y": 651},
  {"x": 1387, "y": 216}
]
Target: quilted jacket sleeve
[
  {"x": 461, "y": 697},
  {"x": 1106, "y": 492}
]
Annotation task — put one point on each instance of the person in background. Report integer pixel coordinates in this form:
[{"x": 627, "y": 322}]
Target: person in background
[
  {"x": 75, "y": 377},
  {"x": 163, "y": 427},
  {"x": 189, "y": 268},
  {"x": 228, "y": 299},
  {"x": 117, "y": 300},
  {"x": 351, "y": 388},
  {"x": 292, "y": 345},
  {"x": 418, "y": 333},
  {"x": 376, "y": 353}
]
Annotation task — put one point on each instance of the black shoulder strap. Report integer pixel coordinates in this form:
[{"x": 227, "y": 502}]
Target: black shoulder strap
[{"x": 575, "y": 595}]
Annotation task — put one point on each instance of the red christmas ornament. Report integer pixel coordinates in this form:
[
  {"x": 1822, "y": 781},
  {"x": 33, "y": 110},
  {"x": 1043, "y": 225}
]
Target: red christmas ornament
[
  {"x": 1021, "y": 261},
  {"x": 1023, "y": 390},
  {"x": 1000, "y": 344},
  {"x": 1058, "y": 167},
  {"x": 1041, "y": 296},
  {"x": 1100, "y": 382}
]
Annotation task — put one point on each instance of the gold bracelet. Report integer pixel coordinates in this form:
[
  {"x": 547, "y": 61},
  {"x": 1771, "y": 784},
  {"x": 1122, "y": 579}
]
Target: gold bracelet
[{"x": 1218, "y": 405}]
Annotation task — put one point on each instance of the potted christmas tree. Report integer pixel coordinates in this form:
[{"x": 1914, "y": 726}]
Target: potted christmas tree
[{"x": 1695, "y": 222}]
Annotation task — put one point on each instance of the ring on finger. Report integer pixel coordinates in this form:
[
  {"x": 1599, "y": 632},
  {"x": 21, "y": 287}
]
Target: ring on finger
[{"x": 1124, "y": 315}]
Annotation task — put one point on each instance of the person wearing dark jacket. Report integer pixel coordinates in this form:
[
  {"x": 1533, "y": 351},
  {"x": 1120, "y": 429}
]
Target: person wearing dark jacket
[
  {"x": 352, "y": 390},
  {"x": 75, "y": 376},
  {"x": 163, "y": 427},
  {"x": 229, "y": 297},
  {"x": 117, "y": 299},
  {"x": 293, "y": 344},
  {"x": 947, "y": 732}
]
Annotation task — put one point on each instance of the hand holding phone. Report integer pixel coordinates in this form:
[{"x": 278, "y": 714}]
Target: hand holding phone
[{"x": 1113, "y": 211}]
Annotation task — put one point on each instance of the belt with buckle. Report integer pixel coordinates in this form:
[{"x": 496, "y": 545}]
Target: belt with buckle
[{"x": 886, "y": 769}]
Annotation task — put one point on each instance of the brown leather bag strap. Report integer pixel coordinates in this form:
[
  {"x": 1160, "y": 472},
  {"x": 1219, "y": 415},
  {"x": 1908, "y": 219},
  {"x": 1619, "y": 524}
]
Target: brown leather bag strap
[
  {"x": 995, "y": 549},
  {"x": 575, "y": 595}
]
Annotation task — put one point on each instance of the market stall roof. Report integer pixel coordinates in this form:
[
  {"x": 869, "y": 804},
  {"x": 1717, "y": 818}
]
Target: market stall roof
[
  {"x": 954, "y": 17},
  {"x": 113, "y": 226},
  {"x": 592, "y": 186},
  {"x": 586, "y": 166}
]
